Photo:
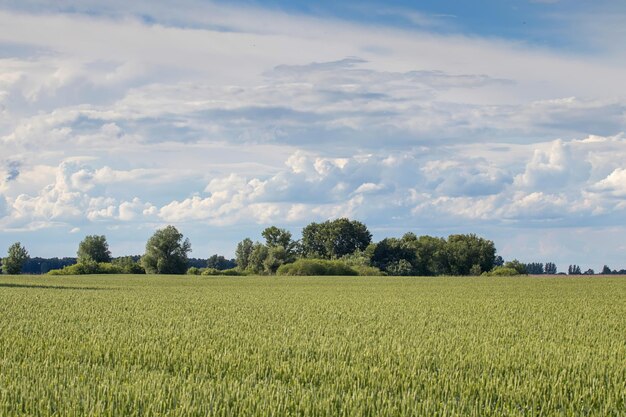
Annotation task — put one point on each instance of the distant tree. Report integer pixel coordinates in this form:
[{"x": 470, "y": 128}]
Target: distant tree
[
  {"x": 243, "y": 252},
  {"x": 257, "y": 258},
  {"x": 517, "y": 265},
  {"x": 276, "y": 256},
  {"x": 94, "y": 248},
  {"x": 333, "y": 239},
  {"x": 17, "y": 256},
  {"x": 475, "y": 270},
  {"x": 465, "y": 251},
  {"x": 589, "y": 272},
  {"x": 574, "y": 270},
  {"x": 534, "y": 268},
  {"x": 128, "y": 265},
  {"x": 394, "y": 256},
  {"x": 401, "y": 267},
  {"x": 166, "y": 252},
  {"x": 220, "y": 263},
  {"x": 275, "y": 236},
  {"x": 550, "y": 268},
  {"x": 431, "y": 255},
  {"x": 606, "y": 270},
  {"x": 498, "y": 261}
]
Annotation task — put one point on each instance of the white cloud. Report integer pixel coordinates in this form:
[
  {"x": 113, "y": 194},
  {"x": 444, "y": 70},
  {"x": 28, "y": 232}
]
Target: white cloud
[{"x": 206, "y": 116}]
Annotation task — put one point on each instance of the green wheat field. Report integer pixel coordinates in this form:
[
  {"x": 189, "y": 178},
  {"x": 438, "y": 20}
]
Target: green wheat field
[{"x": 312, "y": 346}]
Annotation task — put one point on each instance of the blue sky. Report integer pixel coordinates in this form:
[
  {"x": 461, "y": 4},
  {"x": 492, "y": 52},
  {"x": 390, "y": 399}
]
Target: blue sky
[{"x": 503, "y": 118}]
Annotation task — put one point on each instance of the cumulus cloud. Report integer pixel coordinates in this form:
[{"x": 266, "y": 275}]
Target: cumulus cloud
[{"x": 203, "y": 115}]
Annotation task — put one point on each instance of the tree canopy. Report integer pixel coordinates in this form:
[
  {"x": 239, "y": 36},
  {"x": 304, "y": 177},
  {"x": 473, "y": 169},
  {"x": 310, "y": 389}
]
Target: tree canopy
[
  {"x": 17, "y": 256},
  {"x": 333, "y": 239},
  {"x": 94, "y": 248},
  {"x": 166, "y": 252}
]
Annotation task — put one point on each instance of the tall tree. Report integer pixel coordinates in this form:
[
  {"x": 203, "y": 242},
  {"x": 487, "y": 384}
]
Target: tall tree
[
  {"x": 465, "y": 251},
  {"x": 275, "y": 236},
  {"x": 17, "y": 256},
  {"x": 243, "y": 252},
  {"x": 550, "y": 268},
  {"x": 94, "y": 248},
  {"x": 333, "y": 239},
  {"x": 219, "y": 262},
  {"x": 166, "y": 252}
]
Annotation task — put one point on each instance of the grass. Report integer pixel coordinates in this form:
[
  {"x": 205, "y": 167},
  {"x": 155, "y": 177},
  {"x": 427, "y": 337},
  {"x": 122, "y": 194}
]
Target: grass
[{"x": 312, "y": 346}]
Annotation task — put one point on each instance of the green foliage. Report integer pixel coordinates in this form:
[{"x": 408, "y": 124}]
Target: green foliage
[
  {"x": 94, "y": 248},
  {"x": 89, "y": 267},
  {"x": 128, "y": 265},
  {"x": 219, "y": 262},
  {"x": 243, "y": 252},
  {"x": 465, "y": 251},
  {"x": 312, "y": 346},
  {"x": 316, "y": 267},
  {"x": 333, "y": 239},
  {"x": 475, "y": 270},
  {"x": 275, "y": 237},
  {"x": 401, "y": 267},
  {"x": 516, "y": 265},
  {"x": 17, "y": 255},
  {"x": 196, "y": 271},
  {"x": 257, "y": 258},
  {"x": 431, "y": 256},
  {"x": 550, "y": 268},
  {"x": 395, "y": 256},
  {"x": 501, "y": 271},
  {"x": 166, "y": 252}
]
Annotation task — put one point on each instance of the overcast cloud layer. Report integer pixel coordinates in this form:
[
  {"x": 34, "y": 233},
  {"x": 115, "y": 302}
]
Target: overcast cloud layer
[{"x": 224, "y": 119}]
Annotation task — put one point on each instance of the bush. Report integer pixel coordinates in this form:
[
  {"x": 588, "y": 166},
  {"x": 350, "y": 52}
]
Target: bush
[
  {"x": 215, "y": 272},
  {"x": 501, "y": 271},
  {"x": 128, "y": 266},
  {"x": 88, "y": 267},
  {"x": 194, "y": 271},
  {"x": 315, "y": 267}
]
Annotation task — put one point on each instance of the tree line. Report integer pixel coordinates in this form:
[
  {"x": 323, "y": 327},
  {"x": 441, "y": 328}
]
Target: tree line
[{"x": 334, "y": 247}]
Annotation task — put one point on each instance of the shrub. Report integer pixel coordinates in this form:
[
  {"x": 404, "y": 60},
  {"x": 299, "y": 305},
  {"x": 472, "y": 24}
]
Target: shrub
[
  {"x": 501, "y": 271},
  {"x": 316, "y": 267},
  {"x": 194, "y": 271},
  {"x": 88, "y": 267},
  {"x": 214, "y": 272},
  {"x": 128, "y": 266}
]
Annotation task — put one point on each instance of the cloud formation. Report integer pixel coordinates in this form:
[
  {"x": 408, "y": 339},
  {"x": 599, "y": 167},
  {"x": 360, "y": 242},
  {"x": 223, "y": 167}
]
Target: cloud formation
[{"x": 119, "y": 119}]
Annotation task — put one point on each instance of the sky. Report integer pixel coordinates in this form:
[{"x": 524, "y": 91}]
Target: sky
[{"x": 503, "y": 118}]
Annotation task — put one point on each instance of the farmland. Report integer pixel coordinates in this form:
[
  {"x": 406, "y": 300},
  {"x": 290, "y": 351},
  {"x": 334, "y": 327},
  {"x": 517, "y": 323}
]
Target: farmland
[{"x": 335, "y": 346}]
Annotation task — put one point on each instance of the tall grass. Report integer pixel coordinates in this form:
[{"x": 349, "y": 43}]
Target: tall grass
[{"x": 312, "y": 346}]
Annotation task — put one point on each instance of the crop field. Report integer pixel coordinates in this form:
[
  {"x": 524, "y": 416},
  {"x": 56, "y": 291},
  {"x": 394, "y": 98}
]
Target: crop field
[{"x": 312, "y": 346}]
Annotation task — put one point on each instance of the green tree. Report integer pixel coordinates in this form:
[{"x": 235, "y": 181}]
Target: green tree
[
  {"x": 395, "y": 256},
  {"x": 94, "y": 248},
  {"x": 17, "y": 256},
  {"x": 517, "y": 265},
  {"x": 256, "y": 260},
  {"x": 166, "y": 252},
  {"x": 333, "y": 239},
  {"x": 465, "y": 251},
  {"x": 276, "y": 256},
  {"x": 430, "y": 256},
  {"x": 242, "y": 253},
  {"x": 275, "y": 236},
  {"x": 220, "y": 263},
  {"x": 550, "y": 268},
  {"x": 127, "y": 265}
]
